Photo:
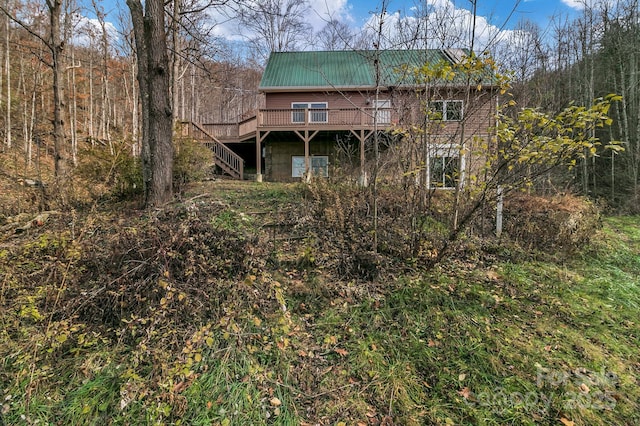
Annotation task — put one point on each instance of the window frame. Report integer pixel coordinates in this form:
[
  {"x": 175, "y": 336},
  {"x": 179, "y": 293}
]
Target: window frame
[
  {"x": 298, "y": 170},
  {"x": 444, "y": 109},
  {"x": 382, "y": 108},
  {"x": 449, "y": 157},
  {"x": 298, "y": 108}
]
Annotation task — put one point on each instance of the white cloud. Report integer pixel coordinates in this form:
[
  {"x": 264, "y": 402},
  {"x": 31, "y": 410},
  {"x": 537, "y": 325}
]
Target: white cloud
[
  {"x": 440, "y": 25},
  {"x": 320, "y": 12},
  {"x": 88, "y": 31},
  {"x": 574, "y": 4},
  {"x": 590, "y": 4},
  {"x": 326, "y": 10},
  {"x": 432, "y": 24}
]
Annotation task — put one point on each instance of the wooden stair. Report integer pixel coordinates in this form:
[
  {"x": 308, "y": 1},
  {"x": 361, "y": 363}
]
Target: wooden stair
[{"x": 228, "y": 161}]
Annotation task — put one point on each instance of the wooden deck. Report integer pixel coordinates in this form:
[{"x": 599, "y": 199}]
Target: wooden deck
[{"x": 292, "y": 120}]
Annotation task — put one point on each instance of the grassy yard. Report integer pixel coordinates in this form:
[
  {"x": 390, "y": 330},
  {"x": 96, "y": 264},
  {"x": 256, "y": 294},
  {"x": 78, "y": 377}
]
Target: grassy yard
[{"x": 91, "y": 334}]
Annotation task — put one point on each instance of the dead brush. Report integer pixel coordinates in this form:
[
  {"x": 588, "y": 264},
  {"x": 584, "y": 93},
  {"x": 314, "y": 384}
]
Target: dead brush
[
  {"x": 182, "y": 269},
  {"x": 340, "y": 217},
  {"x": 563, "y": 222},
  {"x": 342, "y": 220}
]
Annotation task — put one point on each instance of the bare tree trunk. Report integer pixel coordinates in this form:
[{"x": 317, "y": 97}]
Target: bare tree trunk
[
  {"x": 137, "y": 19},
  {"x": 57, "y": 48},
  {"x": 105, "y": 110},
  {"x": 175, "y": 56},
  {"x": 26, "y": 137},
  {"x": 135, "y": 115},
  {"x": 73, "y": 106},
  {"x": 7, "y": 67},
  {"x": 92, "y": 134},
  {"x": 153, "y": 77}
]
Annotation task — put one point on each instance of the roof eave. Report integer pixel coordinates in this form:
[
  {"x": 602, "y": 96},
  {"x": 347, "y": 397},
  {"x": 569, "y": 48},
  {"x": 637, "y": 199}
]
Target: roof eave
[
  {"x": 312, "y": 88},
  {"x": 298, "y": 89}
]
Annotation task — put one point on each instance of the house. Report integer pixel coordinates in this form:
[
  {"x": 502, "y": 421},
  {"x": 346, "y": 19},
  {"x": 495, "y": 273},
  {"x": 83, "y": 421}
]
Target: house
[{"x": 316, "y": 100}]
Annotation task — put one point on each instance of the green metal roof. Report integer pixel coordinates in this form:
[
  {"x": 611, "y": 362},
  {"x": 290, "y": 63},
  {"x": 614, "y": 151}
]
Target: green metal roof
[{"x": 346, "y": 68}]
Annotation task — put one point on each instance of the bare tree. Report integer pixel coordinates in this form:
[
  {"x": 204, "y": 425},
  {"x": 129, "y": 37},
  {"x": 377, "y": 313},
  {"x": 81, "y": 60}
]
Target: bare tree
[
  {"x": 275, "y": 25},
  {"x": 54, "y": 39},
  {"x": 7, "y": 68},
  {"x": 336, "y": 35},
  {"x": 157, "y": 116}
]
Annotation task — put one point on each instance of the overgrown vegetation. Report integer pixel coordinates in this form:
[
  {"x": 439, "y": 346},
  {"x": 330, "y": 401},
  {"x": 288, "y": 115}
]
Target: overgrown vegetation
[
  {"x": 111, "y": 170},
  {"x": 254, "y": 304},
  {"x": 192, "y": 162}
]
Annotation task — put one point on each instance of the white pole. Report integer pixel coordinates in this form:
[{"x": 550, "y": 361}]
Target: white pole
[{"x": 499, "y": 212}]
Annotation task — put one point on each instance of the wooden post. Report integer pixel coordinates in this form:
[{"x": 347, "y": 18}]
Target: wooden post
[
  {"x": 499, "y": 208},
  {"x": 307, "y": 160},
  {"x": 259, "y": 138}
]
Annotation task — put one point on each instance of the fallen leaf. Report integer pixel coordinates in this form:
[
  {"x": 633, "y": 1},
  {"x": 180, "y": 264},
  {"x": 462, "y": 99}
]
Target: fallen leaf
[
  {"x": 492, "y": 275},
  {"x": 179, "y": 387},
  {"x": 341, "y": 352},
  {"x": 566, "y": 421},
  {"x": 462, "y": 376},
  {"x": 584, "y": 388},
  {"x": 465, "y": 392},
  {"x": 275, "y": 402}
]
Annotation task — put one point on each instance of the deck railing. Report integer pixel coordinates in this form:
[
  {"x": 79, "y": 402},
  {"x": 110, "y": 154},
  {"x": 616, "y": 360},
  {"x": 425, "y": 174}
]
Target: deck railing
[
  {"x": 233, "y": 131},
  {"x": 224, "y": 157},
  {"x": 318, "y": 118},
  {"x": 292, "y": 119}
]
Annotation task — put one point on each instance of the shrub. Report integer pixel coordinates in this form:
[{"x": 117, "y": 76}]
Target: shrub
[
  {"x": 632, "y": 204},
  {"x": 341, "y": 217},
  {"x": 560, "y": 222},
  {"x": 191, "y": 162},
  {"x": 114, "y": 170}
]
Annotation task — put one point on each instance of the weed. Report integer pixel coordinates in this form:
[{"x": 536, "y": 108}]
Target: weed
[{"x": 176, "y": 317}]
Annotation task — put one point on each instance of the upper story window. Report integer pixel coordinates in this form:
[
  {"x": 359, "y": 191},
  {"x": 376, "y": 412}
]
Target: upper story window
[
  {"x": 383, "y": 111},
  {"x": 317, "y": 112},
  {"x": 445, "y": 110}
]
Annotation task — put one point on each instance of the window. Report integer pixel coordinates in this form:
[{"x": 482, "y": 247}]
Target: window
[
  {"x": 383, "y": 113},
  {"x": 444, "y": 165},
  {"x": 317, "y": 112},
  {"x": 445, "y": 110},
  {"x": 297, "y": 166},
  {"x": 443, "y": 171},
  {"x": 319, "y": 165}
]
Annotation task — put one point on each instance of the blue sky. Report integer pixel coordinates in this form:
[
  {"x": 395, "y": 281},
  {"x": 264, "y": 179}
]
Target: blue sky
[
  {"x": 497, "y": 12},
  {"x": 493, "y": 15}
]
